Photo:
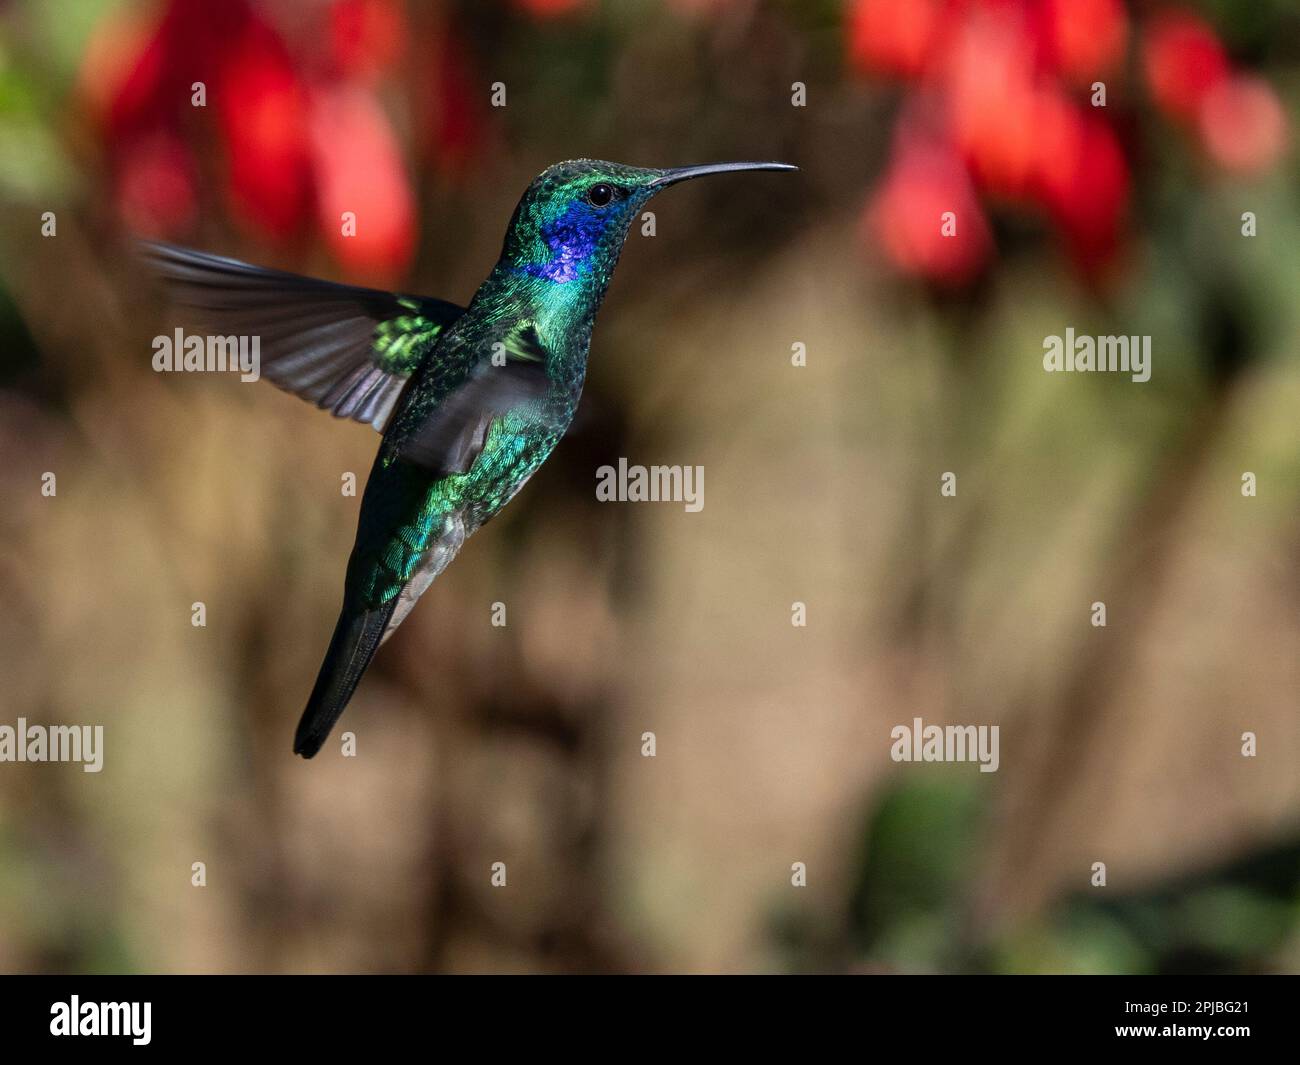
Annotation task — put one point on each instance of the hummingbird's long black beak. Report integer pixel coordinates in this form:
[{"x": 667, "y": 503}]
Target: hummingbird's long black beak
[{"x": 685, "y": 173}]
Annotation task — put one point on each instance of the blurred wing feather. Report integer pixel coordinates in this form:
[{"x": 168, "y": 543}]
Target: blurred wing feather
[
  {"x": 348, "y": 350},
  {"x": 452, "y": 436}
]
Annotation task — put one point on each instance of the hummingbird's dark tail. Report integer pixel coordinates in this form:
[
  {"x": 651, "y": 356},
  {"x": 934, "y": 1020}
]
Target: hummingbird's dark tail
[{"x": 356, "y": 638}]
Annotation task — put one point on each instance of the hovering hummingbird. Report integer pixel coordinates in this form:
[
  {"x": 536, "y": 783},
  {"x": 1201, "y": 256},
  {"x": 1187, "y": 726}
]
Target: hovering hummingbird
[{"x": 470, "y": 401}]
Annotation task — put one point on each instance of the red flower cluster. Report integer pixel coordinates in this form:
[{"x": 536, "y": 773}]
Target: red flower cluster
[
  {"x": 300, "y": 132},
  {"x": 1237, "y": 116},
  {"x": 1001, "y": 107}
]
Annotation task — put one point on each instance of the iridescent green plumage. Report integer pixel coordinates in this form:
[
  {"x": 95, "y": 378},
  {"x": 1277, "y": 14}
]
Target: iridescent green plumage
[
  {"x": 471, "y": 402},
  {"x": 402, "y": 342}
]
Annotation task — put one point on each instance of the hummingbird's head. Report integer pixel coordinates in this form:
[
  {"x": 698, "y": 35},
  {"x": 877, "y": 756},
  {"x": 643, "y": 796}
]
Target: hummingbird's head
[{"x": 571, "y": 222}]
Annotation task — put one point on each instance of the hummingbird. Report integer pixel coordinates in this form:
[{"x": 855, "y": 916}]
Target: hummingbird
[{"x": 470, "y": 401}]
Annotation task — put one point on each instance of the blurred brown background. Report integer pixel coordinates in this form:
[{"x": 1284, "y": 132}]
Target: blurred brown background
[{"x": 522, "y": 743}]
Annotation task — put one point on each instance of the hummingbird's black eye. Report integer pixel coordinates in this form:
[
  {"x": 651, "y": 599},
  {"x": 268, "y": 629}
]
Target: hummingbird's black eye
[{"x": 600, "y": 195}]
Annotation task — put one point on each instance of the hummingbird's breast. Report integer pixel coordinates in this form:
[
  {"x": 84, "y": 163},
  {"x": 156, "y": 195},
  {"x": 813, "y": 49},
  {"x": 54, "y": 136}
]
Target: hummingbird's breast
[{"x": 455, "y": 453}]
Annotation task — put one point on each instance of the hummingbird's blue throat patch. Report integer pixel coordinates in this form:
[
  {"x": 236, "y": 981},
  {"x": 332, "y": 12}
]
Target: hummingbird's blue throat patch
[{"x": 570, "y": 239}]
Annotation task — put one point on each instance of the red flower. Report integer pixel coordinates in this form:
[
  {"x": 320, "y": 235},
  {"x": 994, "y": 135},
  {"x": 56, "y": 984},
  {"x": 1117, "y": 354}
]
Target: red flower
[
  {"x": 296, "y": 146},
  {"x": 991, "y": 98},
  {"x": 262, "y": 106},
  {"x": 1086, "y": 38},
  {"x": 1184, "y": 61},
  {"x": 1086, "y": 188},
  {"x": 150, "y": 116},
  {"x": 366, "y": 36},
  {"x": 1243, "y": 125},
  {"x": 926, "y": 213},
  {"x": 893, "y": 36},
  {"x": 360, "y": 171}
]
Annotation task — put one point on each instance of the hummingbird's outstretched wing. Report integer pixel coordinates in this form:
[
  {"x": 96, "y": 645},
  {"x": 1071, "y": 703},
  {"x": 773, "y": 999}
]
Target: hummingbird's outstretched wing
[{"x": 348, "y": 350}]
